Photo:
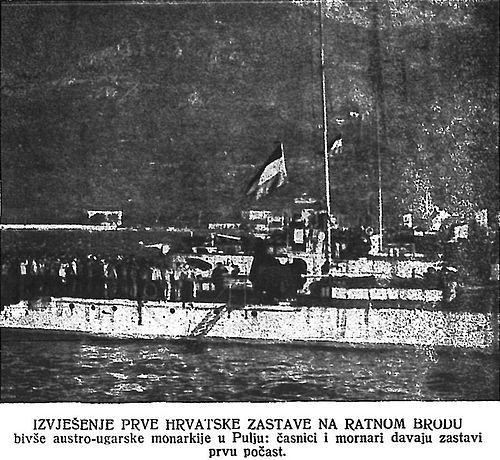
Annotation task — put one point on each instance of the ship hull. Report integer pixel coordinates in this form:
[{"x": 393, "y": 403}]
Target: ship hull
[{"x": 366, "y": 325}]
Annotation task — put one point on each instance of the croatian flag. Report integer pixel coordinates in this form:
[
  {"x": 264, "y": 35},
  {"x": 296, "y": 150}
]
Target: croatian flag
[{"x": 270, "y": 176}]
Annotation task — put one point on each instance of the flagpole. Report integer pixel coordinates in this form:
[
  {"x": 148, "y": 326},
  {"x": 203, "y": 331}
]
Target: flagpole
[
  {"x": 283, "y": 156},
  {"x": 325, "y": 142}
]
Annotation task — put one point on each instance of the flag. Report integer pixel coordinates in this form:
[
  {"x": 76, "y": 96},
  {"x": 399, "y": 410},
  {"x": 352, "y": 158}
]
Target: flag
[
  {"x": 335, "y": 146},
  {"x": 270, "y": 176}
]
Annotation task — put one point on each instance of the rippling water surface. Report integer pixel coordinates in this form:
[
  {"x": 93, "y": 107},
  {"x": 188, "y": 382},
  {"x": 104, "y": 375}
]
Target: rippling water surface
[{"x": 118, "y": 371}]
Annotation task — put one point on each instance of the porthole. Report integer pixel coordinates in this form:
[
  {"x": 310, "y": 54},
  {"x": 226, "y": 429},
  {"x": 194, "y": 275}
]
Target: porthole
[
  {"x": 172, "y": 310},
  {"x": 114, "y": 308},
  {"x": 254, "y": 313},
  {"x": 92, "y": 307}
]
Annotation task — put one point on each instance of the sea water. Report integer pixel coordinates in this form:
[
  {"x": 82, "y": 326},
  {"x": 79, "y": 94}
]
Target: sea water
[{"x": 85, "y": 370}]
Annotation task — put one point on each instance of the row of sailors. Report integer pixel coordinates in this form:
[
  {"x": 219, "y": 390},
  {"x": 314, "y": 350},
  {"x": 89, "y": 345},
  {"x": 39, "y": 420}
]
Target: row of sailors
[{"x": 98, "y": 277}]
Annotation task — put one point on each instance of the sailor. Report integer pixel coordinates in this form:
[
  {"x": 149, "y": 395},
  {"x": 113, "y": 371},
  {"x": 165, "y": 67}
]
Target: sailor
[
  {"x": 53, "y": 276},
  {"x": 84, "y": 276},
  {"x": 98, "y": 280},
  {"x": 71, "y": 275},
  {"x": 432, "y": 278},
  {"x": 235, "y": 269},
  {"x": 110, "y": 279},
  {"x": 6, "y": 292},
  {"x": 24, "y": 285},
  {"x": 218, "y": 274},
  {"x": 133, "y": 270},
  {"x": 298, "y": 268},
  {"x": 122, "y": 277},
  {"x": 187, "y": 284},
  {"x": 175, "y": 282},
  {"x": 63, "y": 272},
  {"x": 144, "y": 281},
  {"x": 42, "y": 267},
  {"x": 266, "y": 273},
  {"x": 157, "y": 279},
  {"x": 34, "y": 273}
]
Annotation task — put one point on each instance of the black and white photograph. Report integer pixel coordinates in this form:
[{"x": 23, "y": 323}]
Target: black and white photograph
[{"x": 249, "y": 201}]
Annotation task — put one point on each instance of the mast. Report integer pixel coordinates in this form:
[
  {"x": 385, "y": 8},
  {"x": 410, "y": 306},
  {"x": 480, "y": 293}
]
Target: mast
[
  {"x": 379, "y": 160},
  {"x": 325, "y": 142},
  {"x": 379, "y": 107}
]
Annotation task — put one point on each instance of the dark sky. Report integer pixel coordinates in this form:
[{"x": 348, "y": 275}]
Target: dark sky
[{"x": 166, "y": 111}]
